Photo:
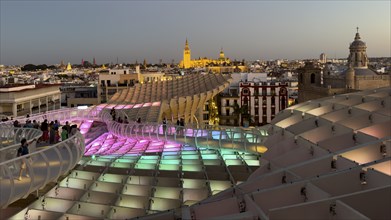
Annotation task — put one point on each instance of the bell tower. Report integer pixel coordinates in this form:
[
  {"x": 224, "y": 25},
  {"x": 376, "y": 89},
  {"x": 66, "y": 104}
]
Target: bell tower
[{"x": 186, "y": 56}]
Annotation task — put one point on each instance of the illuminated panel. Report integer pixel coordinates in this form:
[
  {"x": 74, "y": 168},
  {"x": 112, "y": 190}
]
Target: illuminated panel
[
  {"x": 384, "y": 167},
  {"x": 119, "y": 106},
  {"x": 217, "y": 186},
  {"x": 380, "y": 130},
  {"x": 131, "y": 201},
  {"x": 167, "y": 192},
  {"x": 160, "y": 204},
  {"x": 52, "y": 204},
  {"x": 112, "y": 178},
  {"x": 136, "y": 190},
  {"x": 147, "y": 104},
  {"x": 156, "y": 104},
  {"x": 110, "y": 106}
]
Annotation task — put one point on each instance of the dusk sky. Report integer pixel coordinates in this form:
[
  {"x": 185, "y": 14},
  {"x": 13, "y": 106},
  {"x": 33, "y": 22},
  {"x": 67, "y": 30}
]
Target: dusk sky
[{"x": 47, "y": 32}]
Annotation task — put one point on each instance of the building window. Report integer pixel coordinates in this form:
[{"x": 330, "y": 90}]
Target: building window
[
  {"x": 227, "y": 102},
  {"x": 245, "y": 91},
  {"x": 124, "y": 71},
  {"x": 233, "y": 92},
  {"x": 273, "y": 100},
  {"x": 102, "y": 82},
  {"x": 108, "y": 82},
  {"x": 227, "y": 112},
  {"x": 235, "y": 102}
]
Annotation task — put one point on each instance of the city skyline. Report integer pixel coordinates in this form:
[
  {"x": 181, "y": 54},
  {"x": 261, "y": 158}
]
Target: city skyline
[{"x": 48, "y": 32}]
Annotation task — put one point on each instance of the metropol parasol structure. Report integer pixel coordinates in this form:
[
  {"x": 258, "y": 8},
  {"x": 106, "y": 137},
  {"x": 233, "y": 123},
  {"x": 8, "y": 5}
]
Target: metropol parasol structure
[{"x": 327, "y": 158}]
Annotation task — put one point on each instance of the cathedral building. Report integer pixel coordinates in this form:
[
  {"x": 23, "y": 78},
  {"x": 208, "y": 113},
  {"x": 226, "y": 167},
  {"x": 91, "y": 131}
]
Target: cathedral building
[
  {"x": 220, "y": 65},
  {"x": 317, "y": 82}
]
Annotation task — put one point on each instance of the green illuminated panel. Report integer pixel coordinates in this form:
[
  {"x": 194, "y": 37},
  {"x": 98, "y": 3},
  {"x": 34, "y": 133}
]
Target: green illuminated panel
[
  {"x": 227, "y": 151},
  {"x": 191, "y": 156},
  {"x": 191, "y": 167},
  {"x": 233, "y": 162},
  {"x": 210, "y": 156},
  {"x": 149, "y": 161},
  {"x": 169, "y": 167},
  {"x": 172, "y": 161},
  {"x": 96, "y": 163},
  {"x": 212, "y": 162},
  {"x": 189, "y": 152},
  {"x": 129, "y": 157},
  {"x": 208, "y": 151},
  {"x": 150, "y": 157},
  {"x": 194, "y": 161},
  {"x": 102, "y": 159},
  {"x": 171, "y": 157},
  {"x": 145, "y": 166},
  {"x": 125, "y": 160},
  {"x": 121, "y": 165},
  {"x": 250, "y": 157},
  {"x": 229, "y": 156},
  {"x": 112, "y": 178},
  {"x": 253, "y": 162}
]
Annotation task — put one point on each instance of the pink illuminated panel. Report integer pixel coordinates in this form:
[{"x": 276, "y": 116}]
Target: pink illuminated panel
[
  {"x": 128, "y": 106},
  {"x": 109, "y": 144}
]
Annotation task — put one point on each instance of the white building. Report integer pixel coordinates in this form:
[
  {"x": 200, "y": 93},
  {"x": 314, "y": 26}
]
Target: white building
[{"x": 17, "y": 100}]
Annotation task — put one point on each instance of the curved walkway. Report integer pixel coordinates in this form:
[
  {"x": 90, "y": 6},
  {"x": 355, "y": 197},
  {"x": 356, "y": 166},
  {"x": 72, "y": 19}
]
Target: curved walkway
[
  {"x": 49, "y": 163},
  {"x": 42, "y": 166}
]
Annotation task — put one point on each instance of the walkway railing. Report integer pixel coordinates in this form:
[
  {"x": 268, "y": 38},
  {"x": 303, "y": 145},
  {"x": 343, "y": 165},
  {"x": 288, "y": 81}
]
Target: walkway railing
[
  {"x": 226, "y": 137},
  {"x": 42, "y": 167},
  {"x": 10, "y": 140}
]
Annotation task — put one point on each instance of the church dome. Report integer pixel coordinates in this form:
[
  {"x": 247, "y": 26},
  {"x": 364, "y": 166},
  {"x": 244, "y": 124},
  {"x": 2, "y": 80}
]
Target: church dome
[{"x": 357, "y": 43}]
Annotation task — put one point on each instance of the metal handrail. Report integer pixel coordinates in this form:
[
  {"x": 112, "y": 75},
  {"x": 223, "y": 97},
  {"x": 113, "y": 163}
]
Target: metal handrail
[{"x": 43, "y": 166}]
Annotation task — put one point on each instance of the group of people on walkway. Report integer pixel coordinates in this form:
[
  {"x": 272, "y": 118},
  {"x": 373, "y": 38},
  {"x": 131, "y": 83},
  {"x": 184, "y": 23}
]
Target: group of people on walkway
[
  {"x": 50, "y": 134},
  {"x": 51, "y": 131}
]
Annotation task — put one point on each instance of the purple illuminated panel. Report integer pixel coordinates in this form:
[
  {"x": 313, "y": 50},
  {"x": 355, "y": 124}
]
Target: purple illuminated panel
[
  {"x": 109, "y": 144},
  {"x": 85, "y": 126}
]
